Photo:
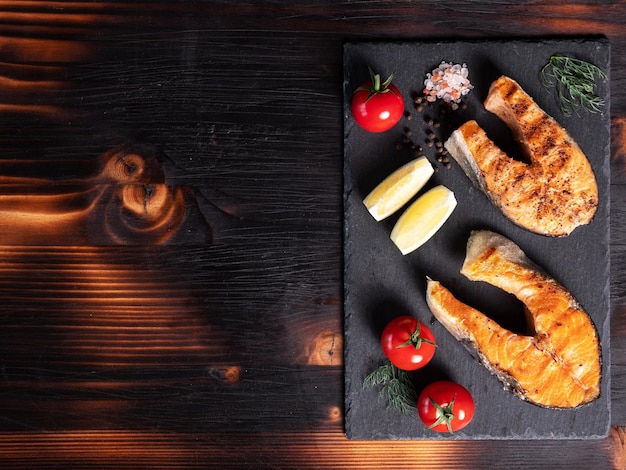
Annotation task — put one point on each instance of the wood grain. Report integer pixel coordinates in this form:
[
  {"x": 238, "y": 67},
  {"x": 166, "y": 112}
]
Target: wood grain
[
  {"x": 225, "y": 355},
  {"x": 320, "y": 449}
]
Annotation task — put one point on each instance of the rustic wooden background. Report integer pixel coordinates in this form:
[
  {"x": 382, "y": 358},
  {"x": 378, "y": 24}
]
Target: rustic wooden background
[{"x": 221, "y": 351}]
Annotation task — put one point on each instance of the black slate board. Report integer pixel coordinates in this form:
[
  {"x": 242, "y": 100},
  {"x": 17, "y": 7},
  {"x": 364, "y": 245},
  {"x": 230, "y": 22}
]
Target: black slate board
[{"x": 380, "y": 283}]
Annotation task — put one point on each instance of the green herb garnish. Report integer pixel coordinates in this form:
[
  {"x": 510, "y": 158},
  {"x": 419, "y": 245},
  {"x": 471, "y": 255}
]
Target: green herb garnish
[
  {"x": 575, "y": 82},
  {"x": 397, "y": 388}
]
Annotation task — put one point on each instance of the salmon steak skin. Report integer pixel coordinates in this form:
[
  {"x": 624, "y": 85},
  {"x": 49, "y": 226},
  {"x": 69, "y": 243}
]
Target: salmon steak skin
[
  {"x": 557, "y": 365},
  {"x": 550, "y": 193}
]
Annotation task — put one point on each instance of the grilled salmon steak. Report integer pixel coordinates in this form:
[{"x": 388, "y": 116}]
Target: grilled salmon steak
[
  {"x": 554, "y": 192},
  {"x": 558, "y": 365}
]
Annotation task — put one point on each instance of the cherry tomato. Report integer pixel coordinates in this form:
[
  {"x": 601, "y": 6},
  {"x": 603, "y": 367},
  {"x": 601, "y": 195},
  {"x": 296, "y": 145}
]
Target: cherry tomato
[
  {"x": 408, "y": 343},
  {"x": 377, "y": 106},
  {"x": 445, "y": 406}
]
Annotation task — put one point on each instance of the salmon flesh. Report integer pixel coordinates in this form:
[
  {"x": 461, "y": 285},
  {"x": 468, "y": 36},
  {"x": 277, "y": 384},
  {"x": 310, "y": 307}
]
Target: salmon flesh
[
  {"x": 559, "y": 364},
  {"x": 551, "y": 194}
]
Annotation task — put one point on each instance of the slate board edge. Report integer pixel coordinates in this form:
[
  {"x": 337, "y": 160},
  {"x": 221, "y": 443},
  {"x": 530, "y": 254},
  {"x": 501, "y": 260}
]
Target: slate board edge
[{"x": 348, "y": 187}]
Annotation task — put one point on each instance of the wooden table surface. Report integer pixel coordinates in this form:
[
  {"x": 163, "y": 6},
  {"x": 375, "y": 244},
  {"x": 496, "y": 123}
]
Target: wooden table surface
[{"x": 132, "y": 339}]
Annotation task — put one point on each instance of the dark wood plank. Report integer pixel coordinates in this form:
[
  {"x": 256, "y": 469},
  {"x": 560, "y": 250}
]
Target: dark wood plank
[
  {"x": 225, "y": 355},
  {"x": 324, "y": 448}
]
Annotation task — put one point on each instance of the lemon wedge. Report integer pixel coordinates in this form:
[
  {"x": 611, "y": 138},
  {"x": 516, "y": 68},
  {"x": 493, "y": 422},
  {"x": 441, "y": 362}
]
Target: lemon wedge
[
  {"x": 423, "y": 218},
  {"x": 398, "y": 188}
]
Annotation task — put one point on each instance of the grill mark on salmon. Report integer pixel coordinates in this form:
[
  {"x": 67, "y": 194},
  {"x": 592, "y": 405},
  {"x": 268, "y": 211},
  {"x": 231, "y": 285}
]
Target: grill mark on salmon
[
  {"x": 559, "y": 364},
  {"x": 554, "y": 193}
]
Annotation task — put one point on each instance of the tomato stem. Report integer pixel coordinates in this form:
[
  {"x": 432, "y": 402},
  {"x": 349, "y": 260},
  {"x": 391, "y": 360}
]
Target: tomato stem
[
  {"x": 376, "y": 87},
  {"x": 445, "y": 414},
  {"x": 416, "y": 339},
  {"x": 375, "y": 80}
]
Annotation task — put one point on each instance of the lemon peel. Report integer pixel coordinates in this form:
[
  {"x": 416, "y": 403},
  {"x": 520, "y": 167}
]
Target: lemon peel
[
  {"x": 423, "y": 219},
  {"x": 398, "y": 188}
]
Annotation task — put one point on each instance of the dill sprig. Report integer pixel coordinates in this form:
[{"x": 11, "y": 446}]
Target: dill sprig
[
  {"x": 397, "y": 388},
  {"x": 575, "y": 82}
]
